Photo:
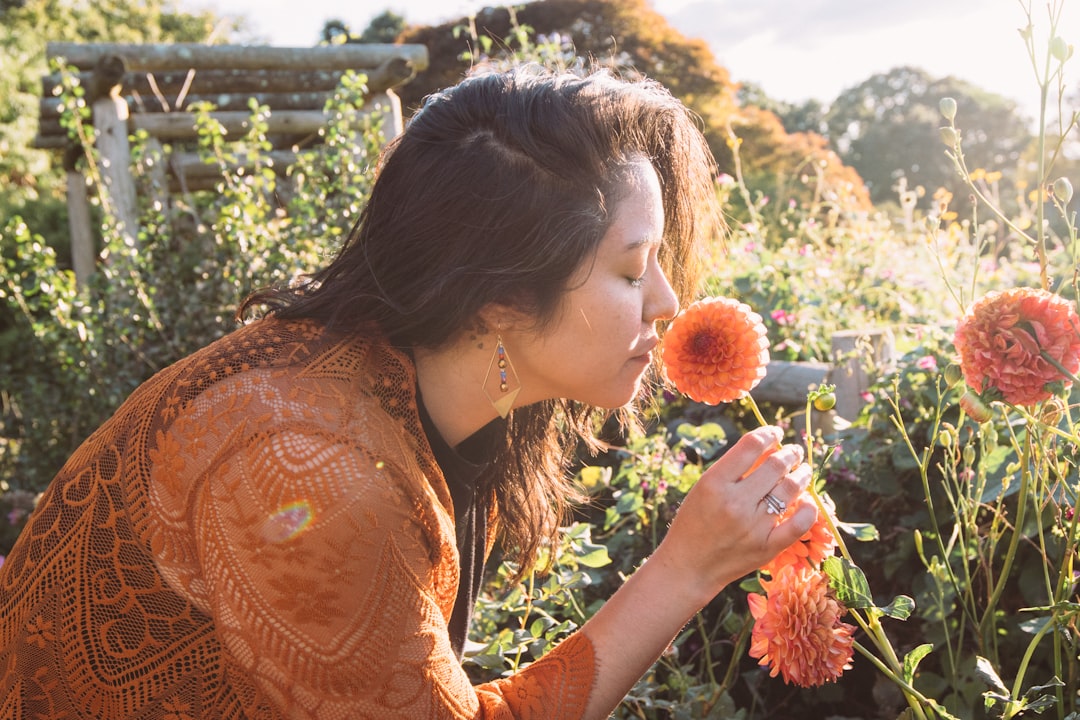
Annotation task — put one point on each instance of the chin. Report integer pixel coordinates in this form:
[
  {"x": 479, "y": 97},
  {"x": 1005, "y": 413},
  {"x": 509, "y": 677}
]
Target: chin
[{"x": 620, "y": 400}]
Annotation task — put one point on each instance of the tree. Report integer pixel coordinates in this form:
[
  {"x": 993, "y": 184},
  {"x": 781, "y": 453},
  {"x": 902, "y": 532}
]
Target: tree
[
  {"x": 383, "y": 28},
  {"x": 807, "y": 116},
  {"x": 631, "y": 36},
  {"x": 888, "y": 127},
  {"x": 30, "y": 183}
]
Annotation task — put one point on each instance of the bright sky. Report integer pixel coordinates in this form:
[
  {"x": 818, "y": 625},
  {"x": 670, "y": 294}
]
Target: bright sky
[{"x": 794, "y": 49}]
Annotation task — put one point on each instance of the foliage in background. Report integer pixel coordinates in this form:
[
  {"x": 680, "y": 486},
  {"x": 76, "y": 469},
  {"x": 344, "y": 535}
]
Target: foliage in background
[
  {"x": 32, "y": 185},
  {"x": 631, "y": 35},
  {"x": 173, "y": 286},
  {"x": 902, "y": 105}
]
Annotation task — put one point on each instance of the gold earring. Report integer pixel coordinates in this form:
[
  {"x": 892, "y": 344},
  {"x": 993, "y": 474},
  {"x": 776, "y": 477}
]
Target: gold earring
[{"x": 501, "y": 383}]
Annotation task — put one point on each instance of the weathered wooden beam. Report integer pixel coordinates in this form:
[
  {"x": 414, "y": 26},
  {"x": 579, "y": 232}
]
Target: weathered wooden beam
[
  {"x": 175, "y": 84},
  {"x": 49, "y": 108},
  {"x": 179, "y": 125},
  {"x": 787, "y": 383},
  {"x": 50, "y": 142},
  {"x": 190, "y": 165},
  {"x": 153, "y": 57}
]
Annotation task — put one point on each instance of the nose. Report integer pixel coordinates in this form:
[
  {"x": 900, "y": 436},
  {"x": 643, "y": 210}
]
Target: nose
[{"x": 663, "y": 303}]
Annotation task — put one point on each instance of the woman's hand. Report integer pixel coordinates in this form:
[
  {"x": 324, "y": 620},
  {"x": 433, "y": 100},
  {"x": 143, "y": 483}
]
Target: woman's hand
[{"x": 723, "y": 529}]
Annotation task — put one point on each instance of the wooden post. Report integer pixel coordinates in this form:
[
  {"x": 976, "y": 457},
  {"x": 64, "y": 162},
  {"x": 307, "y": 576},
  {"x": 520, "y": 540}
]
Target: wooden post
[
  {"x": 387, "y": 105},
  {"x": 859, "y": 356},
  {"x": 111, "y": 139},
  {"x": 82, "y": 240},
  {"x": 110, "y": 119}
]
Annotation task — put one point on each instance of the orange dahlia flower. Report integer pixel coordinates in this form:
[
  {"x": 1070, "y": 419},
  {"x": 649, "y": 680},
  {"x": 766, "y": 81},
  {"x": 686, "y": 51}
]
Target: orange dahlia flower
[
  {"x": 797, "y": 629},
  {"x": 809, "y": 550},
  {"x": 1005, "y": 338},
  {"x": 716, "y": 350}
]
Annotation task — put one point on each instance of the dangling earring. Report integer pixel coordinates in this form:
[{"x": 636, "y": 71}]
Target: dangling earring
[{"x": 501, "y": 383}]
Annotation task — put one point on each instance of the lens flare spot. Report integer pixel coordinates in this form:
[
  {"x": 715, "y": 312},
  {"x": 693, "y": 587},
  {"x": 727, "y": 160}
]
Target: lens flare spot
[{"x": 288, "y": 522}]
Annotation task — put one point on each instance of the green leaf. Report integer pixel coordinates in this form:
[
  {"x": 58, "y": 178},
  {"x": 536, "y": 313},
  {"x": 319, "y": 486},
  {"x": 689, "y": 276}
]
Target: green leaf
[
  {"x": 912, "y": 659},
  {"x": 707, "y": 439},
  {"x": 539, "y": 626},
  {"x": 988, "y": 675},
  {"x": 593, "y": 555},
  {"x": 629, "y": 502},
  {"x": 848, "y": 582},
  {"x": 751, "y": 584},
  {"x": 900, "y": 608},
  {"x": 489, "y": 662},
  {"x": 863, "y": 532},
  {"x": 1041, "y": 697}
]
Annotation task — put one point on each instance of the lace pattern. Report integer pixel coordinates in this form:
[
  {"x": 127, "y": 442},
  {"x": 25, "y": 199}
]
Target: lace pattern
[{"x": 260, "y": 531}]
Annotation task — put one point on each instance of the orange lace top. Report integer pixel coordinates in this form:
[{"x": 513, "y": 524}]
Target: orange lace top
[{"x": 260, "y": 531}]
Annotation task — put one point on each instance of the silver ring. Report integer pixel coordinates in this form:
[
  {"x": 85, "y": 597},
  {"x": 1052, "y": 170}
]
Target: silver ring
[{"x": 774, "y": 505}]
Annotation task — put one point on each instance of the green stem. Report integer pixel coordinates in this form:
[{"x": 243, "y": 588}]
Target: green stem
[
  {"x": 915, "y": 699},
  {"x": 754, "y": 408},
  {"x": 1018, "y": 684},
  {"x": 1014, "y": 543},
  {"x": 740, "y": 647}
]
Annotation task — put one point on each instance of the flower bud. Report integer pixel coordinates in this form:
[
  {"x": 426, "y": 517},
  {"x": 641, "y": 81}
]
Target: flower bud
[
  {"x": 969, "y": 455},
  {"x": 947, "y": 105},
  {"x": 949, "y": 136},
  {"x": 947, "y": 435},
  {"x": 1063, "y": 190},
  {"x": 1060, "y": 49},
  {"x": 975, "y": 407},
  {"x": 953, "y": 374},
  {"x": 1053, "y": 410},
  {"x": 825, "y": 402}
]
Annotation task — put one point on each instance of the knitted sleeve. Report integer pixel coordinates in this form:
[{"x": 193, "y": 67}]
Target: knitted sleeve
[{"x": 304, "y": 528}]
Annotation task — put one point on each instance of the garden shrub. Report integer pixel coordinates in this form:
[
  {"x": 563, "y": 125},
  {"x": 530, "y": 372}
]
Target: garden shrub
[{"x": 78, "y": 352}]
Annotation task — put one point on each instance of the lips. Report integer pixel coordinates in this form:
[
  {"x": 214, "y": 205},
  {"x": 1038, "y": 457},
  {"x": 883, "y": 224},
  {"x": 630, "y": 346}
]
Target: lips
[{"x": 647, "y": 348}]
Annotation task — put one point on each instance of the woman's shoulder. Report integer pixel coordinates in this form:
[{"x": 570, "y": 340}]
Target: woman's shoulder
[{"x": 307, "y": 346}]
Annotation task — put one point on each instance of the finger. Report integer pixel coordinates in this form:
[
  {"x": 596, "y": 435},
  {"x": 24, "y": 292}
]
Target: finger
[
  {"x": 790, "y": 485},
  {"x": 772, "y": 470},
  {"x": 794, "y": 526},
  {"x": 745, "y": 454},
  {"x": 786, "y": 458}
]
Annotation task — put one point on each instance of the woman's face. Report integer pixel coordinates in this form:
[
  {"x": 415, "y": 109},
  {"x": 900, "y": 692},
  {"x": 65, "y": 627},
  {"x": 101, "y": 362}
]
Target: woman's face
[{"x": 602, "y": 339}]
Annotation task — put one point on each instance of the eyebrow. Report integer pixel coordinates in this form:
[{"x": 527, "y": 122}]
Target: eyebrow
[{"x": 635, "y": 244}]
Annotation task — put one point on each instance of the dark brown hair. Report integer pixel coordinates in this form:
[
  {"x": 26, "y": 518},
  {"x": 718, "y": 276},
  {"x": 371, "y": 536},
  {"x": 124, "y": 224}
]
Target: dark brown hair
[{"x": 497, "y": 191}]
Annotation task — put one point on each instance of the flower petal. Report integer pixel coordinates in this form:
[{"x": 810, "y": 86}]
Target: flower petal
[{"x": 716, "y": 350}]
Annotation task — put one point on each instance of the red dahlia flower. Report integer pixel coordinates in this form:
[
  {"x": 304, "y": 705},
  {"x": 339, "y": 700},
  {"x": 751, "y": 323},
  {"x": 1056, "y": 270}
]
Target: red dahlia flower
[
  {"x": 811, "y": 549},
  {"x": 1012, "y": 342},
  {"x": 716, "y": 350},
  {"x": 797, "y": 629}
]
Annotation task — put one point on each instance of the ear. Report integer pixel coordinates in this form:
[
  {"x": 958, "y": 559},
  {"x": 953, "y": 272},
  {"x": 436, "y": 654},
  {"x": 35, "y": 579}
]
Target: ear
[{"x": 497, "y": 317}]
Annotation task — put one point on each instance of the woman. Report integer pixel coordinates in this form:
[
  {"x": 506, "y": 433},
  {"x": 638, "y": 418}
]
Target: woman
[{"x": 293, "y": 521}]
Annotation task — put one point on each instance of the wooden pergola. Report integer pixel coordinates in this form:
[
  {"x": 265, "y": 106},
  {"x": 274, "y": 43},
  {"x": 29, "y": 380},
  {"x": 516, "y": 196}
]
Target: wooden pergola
[{"x": 150, "y": 88}]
